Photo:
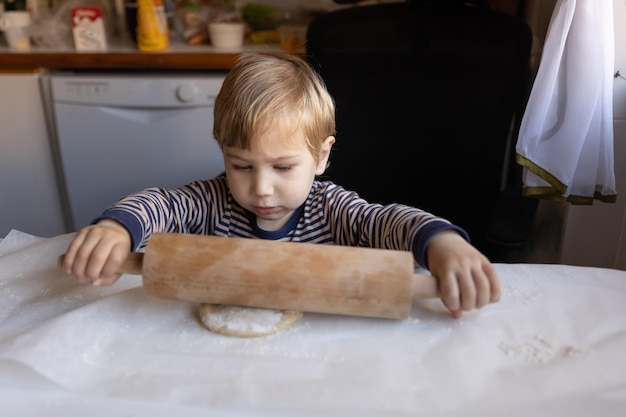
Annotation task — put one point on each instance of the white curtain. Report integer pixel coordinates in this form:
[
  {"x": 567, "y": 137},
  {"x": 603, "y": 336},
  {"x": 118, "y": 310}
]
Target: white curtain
[{"x": 565, "y": 143}]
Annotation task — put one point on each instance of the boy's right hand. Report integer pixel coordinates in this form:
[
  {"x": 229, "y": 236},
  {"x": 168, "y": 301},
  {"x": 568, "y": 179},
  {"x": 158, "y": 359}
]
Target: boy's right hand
[{"x": 97, "y": 252}]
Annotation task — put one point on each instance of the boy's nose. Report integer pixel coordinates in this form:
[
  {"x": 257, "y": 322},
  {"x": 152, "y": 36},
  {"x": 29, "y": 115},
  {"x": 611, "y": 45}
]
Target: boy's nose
[{"x": 262, "y": 184}]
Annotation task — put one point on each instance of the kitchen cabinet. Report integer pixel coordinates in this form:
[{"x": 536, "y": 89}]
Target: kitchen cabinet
[{"x": 31, "y": 199}]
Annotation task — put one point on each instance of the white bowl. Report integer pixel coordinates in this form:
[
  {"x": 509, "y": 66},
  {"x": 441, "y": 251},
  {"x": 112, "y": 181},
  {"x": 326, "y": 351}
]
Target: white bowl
[{"x": 226, "y": 35}]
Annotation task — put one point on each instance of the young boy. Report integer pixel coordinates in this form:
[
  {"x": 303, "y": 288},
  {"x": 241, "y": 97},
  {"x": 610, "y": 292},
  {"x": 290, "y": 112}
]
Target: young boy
[{"x": 275, "y": 121}]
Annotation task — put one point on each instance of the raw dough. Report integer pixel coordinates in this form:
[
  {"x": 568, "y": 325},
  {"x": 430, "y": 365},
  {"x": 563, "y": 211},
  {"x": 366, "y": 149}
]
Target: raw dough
[{"x": 245, "y": 321}]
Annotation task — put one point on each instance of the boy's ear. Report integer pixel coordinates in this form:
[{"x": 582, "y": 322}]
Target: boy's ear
[{"x": 324, "y": 154}]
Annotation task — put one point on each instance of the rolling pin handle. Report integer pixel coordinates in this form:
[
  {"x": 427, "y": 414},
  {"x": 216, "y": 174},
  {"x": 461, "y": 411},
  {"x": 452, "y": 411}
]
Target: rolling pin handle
[
  {"x": 425, "y": 286},
  {"x": 132, "y": 265}
]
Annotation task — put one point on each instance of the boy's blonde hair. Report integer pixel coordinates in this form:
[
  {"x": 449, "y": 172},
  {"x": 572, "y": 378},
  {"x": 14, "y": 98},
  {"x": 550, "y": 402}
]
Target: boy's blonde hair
[{"x": 264, "y": 91}]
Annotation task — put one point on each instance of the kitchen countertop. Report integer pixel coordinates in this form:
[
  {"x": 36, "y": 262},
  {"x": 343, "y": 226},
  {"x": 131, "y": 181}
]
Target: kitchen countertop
[{"x": 178, "y": 56}]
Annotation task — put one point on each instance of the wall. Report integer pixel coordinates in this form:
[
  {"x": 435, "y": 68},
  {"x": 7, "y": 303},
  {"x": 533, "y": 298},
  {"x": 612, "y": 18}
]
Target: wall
[{"x": 30, "y": 199}]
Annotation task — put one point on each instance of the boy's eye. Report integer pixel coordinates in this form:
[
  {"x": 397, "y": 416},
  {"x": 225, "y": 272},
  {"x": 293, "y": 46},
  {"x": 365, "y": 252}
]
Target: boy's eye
[{"x": 242, "y": 167}]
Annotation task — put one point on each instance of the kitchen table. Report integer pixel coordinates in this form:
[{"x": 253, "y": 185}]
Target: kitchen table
[{"x": 554, "y": 345}]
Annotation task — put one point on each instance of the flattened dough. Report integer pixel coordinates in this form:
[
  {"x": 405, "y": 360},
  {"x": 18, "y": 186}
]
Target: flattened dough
[{"x": 245, "y": 321}]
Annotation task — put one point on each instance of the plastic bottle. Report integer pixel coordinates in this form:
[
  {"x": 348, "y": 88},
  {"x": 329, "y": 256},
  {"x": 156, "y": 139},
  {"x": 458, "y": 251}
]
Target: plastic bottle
[{"x": 152, "y": 29}]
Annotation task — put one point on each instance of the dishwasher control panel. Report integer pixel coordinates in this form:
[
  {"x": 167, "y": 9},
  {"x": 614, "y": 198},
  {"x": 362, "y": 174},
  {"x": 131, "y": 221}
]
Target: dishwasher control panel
[{"x": 138, "y": 91}]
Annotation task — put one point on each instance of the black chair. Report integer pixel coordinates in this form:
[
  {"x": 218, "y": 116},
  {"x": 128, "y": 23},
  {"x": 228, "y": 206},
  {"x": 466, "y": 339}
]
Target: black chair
[{"x": 427, "y": 94}]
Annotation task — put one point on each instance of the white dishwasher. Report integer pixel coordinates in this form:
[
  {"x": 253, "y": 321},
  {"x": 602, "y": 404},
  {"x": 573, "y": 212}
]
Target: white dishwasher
[{"x": 119, "y": 133}]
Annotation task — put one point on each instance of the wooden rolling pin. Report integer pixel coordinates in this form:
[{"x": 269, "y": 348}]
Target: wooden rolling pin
[{"x": 281, "y": 275}]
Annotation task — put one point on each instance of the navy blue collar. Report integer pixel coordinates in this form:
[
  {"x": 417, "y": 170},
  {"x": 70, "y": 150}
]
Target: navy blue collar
[{"x": 275, "y": 234}]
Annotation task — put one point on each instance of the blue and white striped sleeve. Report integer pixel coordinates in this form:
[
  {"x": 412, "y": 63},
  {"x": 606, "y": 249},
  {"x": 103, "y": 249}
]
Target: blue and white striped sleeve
[
  {"x": 393, "y": 226},
  {"x": 187, "y": 209}
]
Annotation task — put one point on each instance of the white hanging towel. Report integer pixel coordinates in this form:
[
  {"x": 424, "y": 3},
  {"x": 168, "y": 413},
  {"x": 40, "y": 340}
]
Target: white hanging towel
[{"x": 565, "y": 143}]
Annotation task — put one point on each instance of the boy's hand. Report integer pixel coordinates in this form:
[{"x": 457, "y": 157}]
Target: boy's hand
[
  {"x": 96, "y": 253},
  {"x": 467, "y": 279}
]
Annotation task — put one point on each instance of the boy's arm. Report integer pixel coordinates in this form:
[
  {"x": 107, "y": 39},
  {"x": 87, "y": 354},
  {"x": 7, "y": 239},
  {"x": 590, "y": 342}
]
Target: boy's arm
[{"x": 184, "y": 210}]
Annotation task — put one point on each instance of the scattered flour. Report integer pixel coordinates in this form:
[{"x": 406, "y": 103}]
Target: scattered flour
[
  {"x": 540, "y": 350},
  {"x": 519, "y": 295}
]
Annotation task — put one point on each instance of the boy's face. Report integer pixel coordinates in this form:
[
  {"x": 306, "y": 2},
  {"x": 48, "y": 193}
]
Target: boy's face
[{"x": 274, "y": 177}]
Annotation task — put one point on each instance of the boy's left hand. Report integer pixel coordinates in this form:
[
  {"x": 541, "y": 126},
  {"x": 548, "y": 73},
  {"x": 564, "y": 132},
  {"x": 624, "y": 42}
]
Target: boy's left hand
[{"x": 467, "y": 279}]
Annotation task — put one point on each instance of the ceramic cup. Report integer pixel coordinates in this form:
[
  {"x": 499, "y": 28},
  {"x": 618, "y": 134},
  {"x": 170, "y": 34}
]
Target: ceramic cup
[
  {"x": 226, "y": 35},
  {"x": 14, "y": 24}
]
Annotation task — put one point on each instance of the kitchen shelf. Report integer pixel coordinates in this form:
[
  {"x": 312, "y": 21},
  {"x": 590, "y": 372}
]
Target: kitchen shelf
[{"x": 178, "y": 56}]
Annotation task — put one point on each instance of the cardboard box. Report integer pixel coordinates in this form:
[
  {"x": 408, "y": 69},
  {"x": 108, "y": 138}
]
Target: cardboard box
[{"x": 88, "y": 29}]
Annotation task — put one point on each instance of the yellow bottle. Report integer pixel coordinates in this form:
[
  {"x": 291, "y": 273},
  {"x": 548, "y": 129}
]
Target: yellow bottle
[{"x": 152, "y": 29}]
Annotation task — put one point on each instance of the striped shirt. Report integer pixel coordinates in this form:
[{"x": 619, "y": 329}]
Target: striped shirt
[{"x": 330, "y": 215}]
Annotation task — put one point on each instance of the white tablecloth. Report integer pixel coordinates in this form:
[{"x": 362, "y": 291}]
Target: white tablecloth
[{"x": 555, "y": 345}]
